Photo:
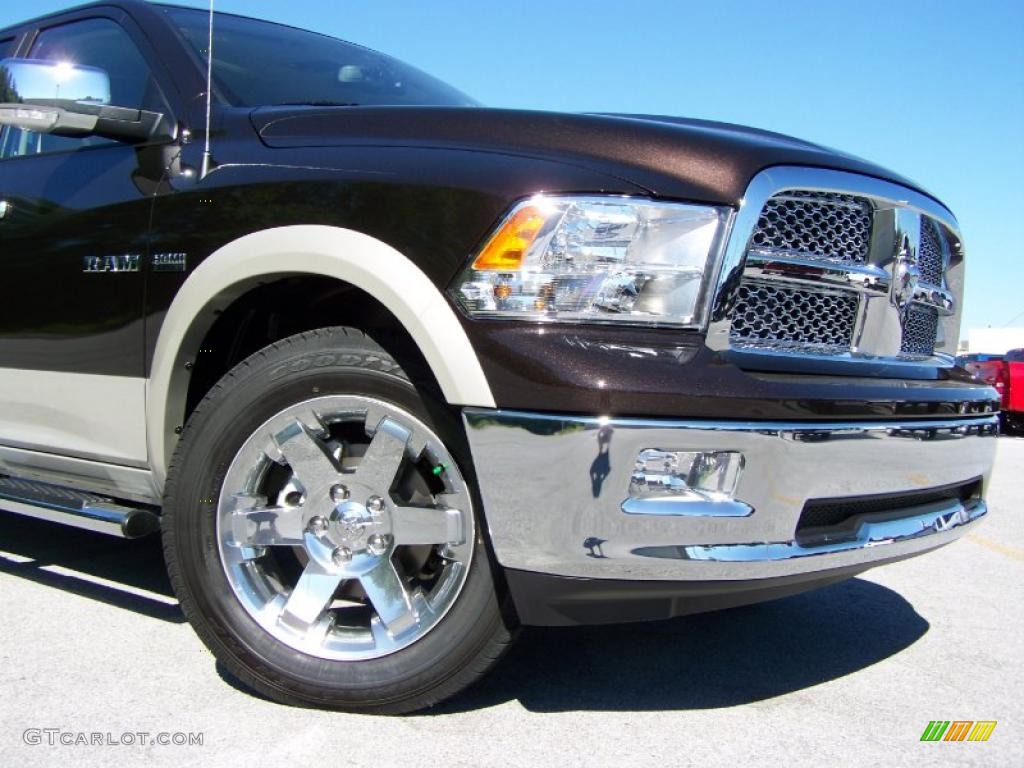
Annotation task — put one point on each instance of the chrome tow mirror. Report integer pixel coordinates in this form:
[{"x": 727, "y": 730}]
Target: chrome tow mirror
[
  {"x": 67, "y": 100},
  {"x": 54, "y": 84}
]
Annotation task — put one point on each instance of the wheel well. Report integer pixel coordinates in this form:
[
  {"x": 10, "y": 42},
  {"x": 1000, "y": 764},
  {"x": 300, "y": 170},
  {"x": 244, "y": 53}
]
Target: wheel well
[{"x": 281, "y": 308}]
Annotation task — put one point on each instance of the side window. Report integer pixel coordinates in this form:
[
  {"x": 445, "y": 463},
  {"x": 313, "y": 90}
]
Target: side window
[
  {"x": 6, "y": 47},
  {"x": 96, "y": 43}
]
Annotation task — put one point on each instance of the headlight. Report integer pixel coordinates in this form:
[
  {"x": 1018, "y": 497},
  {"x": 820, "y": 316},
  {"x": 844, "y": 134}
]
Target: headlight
[{"x": 596, "y": 259}]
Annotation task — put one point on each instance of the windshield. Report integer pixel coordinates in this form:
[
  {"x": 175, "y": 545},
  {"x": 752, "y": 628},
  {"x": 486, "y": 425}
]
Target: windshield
[{"x": 257, "y": 63}]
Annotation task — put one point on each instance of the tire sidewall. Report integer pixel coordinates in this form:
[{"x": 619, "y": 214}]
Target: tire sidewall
[{"x": 257, "y": 390}]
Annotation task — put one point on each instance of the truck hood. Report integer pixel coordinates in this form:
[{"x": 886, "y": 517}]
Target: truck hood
[{"x": 668, "y": 156}]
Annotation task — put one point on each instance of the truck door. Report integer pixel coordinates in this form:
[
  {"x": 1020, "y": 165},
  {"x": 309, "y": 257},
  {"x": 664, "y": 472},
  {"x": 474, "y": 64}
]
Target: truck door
[{"x": 74, "y": 214}]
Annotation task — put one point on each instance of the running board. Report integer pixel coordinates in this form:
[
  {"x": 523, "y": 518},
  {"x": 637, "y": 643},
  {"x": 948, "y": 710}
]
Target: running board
[{"x": 76, "y": 508}]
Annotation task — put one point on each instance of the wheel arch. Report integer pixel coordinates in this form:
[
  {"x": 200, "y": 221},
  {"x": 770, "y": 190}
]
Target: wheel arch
[{"x": 351, "y": 257}]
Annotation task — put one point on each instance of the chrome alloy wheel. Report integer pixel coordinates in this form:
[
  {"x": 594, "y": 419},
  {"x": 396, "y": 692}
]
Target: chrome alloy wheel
[{"x": 345, "y": 527}]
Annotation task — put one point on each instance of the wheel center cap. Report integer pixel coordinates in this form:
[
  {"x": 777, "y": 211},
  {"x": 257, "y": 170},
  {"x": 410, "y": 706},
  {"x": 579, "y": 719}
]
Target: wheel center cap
[{"x": 351, "y": 520}]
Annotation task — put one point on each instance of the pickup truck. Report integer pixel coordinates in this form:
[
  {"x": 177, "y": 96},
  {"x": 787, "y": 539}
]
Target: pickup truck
[
  {"x": 1013, "y": 391},
  {"x": 1013, "y": 398},
  {"x": 1004, "y": 373},
  {"x": 395, "y": 374}
]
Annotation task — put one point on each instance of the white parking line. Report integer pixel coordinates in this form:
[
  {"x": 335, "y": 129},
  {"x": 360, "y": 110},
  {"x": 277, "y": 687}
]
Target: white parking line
[
  {"x": 19, "y": 559},
  {"x": 116, "y": 585},
  {"x": 61, "y": 570}
]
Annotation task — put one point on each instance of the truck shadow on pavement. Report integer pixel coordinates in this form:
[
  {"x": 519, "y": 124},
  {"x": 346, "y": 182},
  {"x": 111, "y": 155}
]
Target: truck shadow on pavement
[
  {"x": 722, "y": 659},
  {"x": 125, "y": 574}
]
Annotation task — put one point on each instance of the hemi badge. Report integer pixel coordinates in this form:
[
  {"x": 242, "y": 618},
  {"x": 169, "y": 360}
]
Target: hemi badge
[{"x": 170, "y": 262}]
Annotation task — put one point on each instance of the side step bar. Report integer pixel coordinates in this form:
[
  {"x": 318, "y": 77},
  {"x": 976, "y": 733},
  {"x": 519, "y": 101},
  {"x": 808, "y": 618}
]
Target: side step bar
[{"x": 76, "y": 508}]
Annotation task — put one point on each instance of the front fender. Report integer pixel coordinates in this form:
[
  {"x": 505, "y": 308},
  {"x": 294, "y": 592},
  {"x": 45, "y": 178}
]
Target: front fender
[{"x": 346, "y": 255}]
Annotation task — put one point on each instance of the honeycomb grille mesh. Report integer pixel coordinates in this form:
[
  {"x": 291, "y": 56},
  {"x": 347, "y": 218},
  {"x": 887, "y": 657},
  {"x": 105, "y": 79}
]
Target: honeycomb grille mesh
[
  {"x": 824, "y": 225},
  {"x": 775, "y": 316},
  {"x": 920, "y": 329},
  {"x": 929, "y": 255}
]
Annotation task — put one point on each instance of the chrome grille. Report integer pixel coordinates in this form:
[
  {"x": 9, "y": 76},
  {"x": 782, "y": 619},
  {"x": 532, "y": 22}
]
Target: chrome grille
[
  {"x": 819, "y": 278},
  {"x": 824, "y": 225},
  {"x": 884, "y": 259},
  {"x": 920, "y": 328},
  {"x": 772, "y": 316},
  {"x": 929, "y": 255}
]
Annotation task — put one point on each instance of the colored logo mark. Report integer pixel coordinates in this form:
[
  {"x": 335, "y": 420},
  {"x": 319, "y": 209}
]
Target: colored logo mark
[{"x": 958, "y": 730}]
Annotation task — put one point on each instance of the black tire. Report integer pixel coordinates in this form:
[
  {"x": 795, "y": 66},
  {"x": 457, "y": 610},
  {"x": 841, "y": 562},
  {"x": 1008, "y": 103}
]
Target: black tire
[{"x": 458, "y": 650}]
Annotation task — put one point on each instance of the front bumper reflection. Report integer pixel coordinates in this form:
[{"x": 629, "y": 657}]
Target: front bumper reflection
[{"x": 554, "y": 486}]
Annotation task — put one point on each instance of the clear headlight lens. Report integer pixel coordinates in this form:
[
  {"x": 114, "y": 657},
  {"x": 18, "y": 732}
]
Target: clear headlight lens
[{"x": 595, "y": 259}]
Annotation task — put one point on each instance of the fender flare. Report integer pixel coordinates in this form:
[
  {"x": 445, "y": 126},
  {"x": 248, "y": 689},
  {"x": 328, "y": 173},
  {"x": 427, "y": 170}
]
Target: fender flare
[{"x": 344, "y": 254}]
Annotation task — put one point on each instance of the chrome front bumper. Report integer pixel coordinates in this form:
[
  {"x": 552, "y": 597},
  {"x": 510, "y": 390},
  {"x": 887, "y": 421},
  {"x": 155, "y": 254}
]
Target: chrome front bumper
[{"x": 554, "y": 487}]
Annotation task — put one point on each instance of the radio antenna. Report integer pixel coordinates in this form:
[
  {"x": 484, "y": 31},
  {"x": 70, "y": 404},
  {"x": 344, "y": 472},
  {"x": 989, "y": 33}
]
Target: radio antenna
[{"x": 207, "y": 155}]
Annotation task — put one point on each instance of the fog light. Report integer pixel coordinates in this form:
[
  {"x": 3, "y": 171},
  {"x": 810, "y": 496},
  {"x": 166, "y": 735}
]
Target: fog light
[{"x": 700, "y": 483}]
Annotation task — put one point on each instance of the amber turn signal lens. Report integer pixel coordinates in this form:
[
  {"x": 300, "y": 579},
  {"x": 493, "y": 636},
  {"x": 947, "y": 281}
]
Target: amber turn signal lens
[{"x": 508, "y": 247}]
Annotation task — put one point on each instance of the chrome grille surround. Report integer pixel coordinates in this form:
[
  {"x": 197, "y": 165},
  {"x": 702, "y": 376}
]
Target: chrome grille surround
[{"x": 903, "y": 290}]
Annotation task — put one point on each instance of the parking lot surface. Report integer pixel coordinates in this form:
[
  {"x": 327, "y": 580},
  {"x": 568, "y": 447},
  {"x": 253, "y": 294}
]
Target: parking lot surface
[{"x": 92, "y": 642}]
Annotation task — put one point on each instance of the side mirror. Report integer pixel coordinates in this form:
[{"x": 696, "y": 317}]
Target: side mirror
[{"x": 67, "y": 100}]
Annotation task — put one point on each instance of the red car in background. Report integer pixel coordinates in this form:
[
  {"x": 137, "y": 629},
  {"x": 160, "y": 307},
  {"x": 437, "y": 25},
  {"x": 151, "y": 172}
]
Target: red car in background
[
  {"x": 1006, "y": 374},
  {"x": 1013, "y": 396}
]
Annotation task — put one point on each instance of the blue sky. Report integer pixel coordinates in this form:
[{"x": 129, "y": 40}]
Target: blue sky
[{"x": 933, "y": 88}]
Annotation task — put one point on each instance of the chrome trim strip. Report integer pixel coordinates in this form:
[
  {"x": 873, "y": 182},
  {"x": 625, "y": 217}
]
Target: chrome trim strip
[
  {"x": 785, "y": 429},
  {"x": 806, "y": 269},
  {"x": 937, "y": 518},
  {"x": 664, "y": 506},
  {"x": 554, "y": 486}
]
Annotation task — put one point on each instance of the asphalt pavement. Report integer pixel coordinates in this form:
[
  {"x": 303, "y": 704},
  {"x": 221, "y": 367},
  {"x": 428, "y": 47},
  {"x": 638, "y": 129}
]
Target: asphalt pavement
[{"x": 94, "y": 650}]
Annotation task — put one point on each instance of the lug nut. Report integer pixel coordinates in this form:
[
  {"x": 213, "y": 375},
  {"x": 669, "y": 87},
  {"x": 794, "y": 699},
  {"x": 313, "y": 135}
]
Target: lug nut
[
  {"x": 317, "y": 526},
  {"x": 339, "y": 493},
  {"x": 378, "y": 544},
  {"x": 342, "y": 556},
  {"x": 375, "y": 504}
]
